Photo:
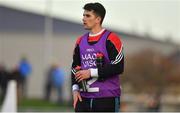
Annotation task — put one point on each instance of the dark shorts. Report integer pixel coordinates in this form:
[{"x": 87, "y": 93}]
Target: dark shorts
[{"x": 98, "y": 105}]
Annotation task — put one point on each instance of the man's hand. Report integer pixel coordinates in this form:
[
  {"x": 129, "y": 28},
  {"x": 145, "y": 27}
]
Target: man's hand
[
  {"x": 82, "y": 75},
  {"x": 76, "y": 97}
]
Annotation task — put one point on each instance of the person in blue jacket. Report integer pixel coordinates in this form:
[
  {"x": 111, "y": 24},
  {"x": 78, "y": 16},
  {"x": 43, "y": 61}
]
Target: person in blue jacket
[
  {"x": 55, "y": 80},
  {"x": 25, "y": 69}
]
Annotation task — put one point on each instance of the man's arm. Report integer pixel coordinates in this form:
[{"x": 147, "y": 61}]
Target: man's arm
[
  {"x": 76, "y": 62},
  {"x": 75, "y": 86},
  {"x": 114, "y": 48}
]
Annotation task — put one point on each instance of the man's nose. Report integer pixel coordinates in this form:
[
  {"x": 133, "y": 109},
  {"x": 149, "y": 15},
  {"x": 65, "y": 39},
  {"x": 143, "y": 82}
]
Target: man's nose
[{"x": 83, "y": 19}]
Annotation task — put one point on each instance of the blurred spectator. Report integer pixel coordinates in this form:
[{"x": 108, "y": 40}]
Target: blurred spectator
[
  {"x": 55, "y": 81},
  {"x": 3, "y": 82},
  {"x": 25, "y": 70},
  {"x": 123, "y": 107},
  {"x": 154, "y": 103}
]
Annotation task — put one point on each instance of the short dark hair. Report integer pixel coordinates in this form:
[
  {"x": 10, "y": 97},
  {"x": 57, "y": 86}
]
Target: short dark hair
[{"x": 97, "y": 8}]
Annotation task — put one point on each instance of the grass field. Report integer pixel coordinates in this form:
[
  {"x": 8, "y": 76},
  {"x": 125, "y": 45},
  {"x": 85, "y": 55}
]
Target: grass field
[{"x": 38, "y": 105}]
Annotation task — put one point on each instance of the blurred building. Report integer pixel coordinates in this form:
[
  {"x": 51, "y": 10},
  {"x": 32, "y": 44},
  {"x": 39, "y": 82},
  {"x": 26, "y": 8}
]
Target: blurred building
[{"x": 26, "y": 33}]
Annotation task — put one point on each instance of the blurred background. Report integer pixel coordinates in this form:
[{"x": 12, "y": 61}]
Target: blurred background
[{"x": 37, "y": 38}]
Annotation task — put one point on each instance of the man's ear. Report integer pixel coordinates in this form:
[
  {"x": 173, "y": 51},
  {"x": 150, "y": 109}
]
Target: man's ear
[{"x": 98, "y": 19}]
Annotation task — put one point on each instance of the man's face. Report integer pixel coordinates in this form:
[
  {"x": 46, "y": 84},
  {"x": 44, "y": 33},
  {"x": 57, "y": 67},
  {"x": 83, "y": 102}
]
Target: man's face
[{"x": 90, "y": 19}]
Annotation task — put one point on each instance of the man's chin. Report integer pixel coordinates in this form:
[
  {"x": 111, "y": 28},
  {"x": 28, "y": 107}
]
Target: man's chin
[{"x": 87, "y": 28}]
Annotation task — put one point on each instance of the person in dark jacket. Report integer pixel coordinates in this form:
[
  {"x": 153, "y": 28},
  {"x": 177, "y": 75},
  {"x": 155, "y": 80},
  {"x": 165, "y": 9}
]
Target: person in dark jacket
[{"x": 3, "y": 82}]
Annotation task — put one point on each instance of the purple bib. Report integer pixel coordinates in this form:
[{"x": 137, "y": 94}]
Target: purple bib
[{"x": 97, "y": 89}]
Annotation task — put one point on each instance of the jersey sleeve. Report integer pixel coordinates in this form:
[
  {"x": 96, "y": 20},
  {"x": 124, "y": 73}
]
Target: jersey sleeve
[
  {"x": 76, "y": 61},
  {"x": 114, "y": 48}
]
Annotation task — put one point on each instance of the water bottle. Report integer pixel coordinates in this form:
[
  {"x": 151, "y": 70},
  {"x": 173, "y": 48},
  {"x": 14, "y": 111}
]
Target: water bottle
[{"x": 83, "y": 83}]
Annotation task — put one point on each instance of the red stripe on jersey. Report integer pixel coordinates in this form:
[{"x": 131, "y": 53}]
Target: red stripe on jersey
[
  {"x": 116, "y": 41},
  {"x": 78, "y": 40},
  {"x": 95, "y": 38},
  {"x": 90, "y": 38},
  {"x": 77, "y": 43},
  {"x": 112, "y": 37}
]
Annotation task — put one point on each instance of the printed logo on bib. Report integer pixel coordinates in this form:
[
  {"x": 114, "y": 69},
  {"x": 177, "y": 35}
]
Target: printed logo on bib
[{"x": 89, "y": 58}]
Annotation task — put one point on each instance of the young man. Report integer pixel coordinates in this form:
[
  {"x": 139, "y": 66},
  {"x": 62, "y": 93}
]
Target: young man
[{"x": 103, "y": 84}]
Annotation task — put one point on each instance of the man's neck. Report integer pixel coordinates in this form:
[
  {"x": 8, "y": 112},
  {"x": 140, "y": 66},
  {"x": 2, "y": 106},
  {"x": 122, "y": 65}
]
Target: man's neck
[
  {"x": 96, "y": 30},
  {"x": 96, "y": 34}
]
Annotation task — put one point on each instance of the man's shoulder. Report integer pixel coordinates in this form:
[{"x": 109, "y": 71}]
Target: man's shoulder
[
  {"x": 78, "y": 40},
  {"x": 113, "y": 37},
  {"x": 115, "y": 40}
]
